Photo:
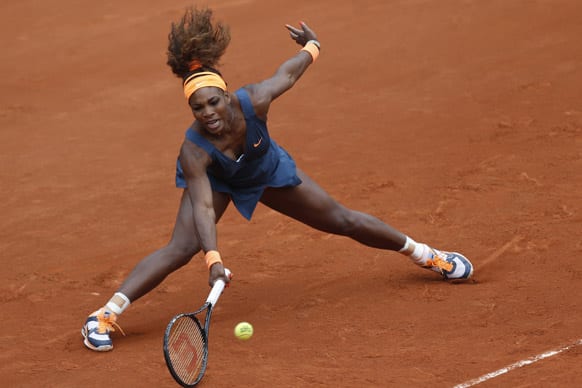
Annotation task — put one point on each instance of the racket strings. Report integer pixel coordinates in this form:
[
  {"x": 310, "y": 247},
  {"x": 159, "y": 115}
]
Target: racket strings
[{"x": 186, "y": 348}]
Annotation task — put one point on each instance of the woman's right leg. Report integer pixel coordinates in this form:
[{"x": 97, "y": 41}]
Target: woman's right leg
[
  {"x": 149, "y": 273},
  {"x": 153, "y": 269}
]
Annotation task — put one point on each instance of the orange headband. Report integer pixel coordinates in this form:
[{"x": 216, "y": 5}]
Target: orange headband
[{"x": 202, "y": 80}]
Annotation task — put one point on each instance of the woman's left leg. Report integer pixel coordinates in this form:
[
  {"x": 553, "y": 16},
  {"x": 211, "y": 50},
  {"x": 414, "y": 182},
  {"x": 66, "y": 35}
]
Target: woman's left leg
[{"x": 311, "y": 205}]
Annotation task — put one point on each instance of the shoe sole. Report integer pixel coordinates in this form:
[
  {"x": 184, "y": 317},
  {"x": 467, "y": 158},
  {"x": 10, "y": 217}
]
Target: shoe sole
[
  {"x": 88, "y": 344},
  {"x": 461, "y": 280}
]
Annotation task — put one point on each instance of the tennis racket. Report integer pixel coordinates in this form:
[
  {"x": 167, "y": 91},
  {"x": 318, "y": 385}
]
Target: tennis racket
[{"x": 186, "y": 340}]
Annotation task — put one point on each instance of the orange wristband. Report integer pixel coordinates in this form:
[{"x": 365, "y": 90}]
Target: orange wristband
[
  {"x": 312, "y": 48},
  {"x": 212, "y": 257}
]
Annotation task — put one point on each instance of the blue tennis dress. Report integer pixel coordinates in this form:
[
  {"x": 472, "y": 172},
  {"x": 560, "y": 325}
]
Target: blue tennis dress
[{"x": 263, "y": 163}]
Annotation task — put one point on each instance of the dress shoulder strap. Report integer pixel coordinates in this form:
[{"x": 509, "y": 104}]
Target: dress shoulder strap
[
  {"x": 200, "y": 141},
  {"x": 245, "y": 102}
]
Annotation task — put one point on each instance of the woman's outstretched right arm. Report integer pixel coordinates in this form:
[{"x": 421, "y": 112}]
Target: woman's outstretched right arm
[{"x": 194, "y": 161}]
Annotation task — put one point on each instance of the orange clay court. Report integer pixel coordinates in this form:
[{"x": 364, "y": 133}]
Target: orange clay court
[{"x": 458, "y": 122}]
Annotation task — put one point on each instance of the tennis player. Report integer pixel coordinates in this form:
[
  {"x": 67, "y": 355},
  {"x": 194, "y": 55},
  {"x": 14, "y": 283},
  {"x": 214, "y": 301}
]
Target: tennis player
[{"x": 228, "y": 156}]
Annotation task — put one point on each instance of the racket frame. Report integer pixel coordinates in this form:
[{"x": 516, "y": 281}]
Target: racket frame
[{"x": 208, "y": 306}]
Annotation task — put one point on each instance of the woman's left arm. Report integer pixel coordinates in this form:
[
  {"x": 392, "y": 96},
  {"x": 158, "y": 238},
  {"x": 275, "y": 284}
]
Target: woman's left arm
[{"x": 290, "y": 71}]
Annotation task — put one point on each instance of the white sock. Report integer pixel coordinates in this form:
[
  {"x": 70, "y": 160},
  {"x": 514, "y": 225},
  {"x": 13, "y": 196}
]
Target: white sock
[
  {"x": 419, "y": 253},
  {"x": 118, "y": 303}
]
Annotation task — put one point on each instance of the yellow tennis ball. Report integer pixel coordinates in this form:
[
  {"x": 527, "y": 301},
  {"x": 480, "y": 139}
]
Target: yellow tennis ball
[{"x": 243, "y": 331}]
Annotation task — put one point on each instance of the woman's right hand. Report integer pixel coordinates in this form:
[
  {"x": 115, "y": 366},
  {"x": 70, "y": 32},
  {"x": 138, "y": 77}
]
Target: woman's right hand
[
  {"x": 301, "y": 35},
  {"x": 217, "y": 272}
]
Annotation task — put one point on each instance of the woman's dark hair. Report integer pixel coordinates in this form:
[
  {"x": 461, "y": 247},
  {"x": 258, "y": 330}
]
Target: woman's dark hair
[{"x": 195, "y": 37}]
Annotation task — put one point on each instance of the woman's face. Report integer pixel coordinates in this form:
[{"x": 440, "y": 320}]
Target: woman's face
[{"x": 210, "y": 107}]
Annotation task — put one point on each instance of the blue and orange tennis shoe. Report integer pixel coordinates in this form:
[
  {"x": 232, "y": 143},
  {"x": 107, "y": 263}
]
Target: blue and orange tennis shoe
[
  {"x": 97, "y": 328},
  {"x": 451, "y": 265}
]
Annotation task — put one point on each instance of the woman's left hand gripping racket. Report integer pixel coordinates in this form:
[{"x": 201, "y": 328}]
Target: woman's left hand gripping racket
[{"x": 186, "y": 340}]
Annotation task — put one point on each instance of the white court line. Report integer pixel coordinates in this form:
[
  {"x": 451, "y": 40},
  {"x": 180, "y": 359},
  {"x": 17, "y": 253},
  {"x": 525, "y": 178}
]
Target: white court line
[{"x": 518, "y": 364}]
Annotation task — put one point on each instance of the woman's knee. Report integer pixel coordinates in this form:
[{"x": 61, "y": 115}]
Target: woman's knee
[
  {"x": 345, "y": 222},
  {"x": 181, "y": 254}
]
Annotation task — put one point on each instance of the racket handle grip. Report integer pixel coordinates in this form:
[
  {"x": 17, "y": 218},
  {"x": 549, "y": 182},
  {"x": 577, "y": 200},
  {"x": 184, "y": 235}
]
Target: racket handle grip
[{"x": 217, "y": 289}]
